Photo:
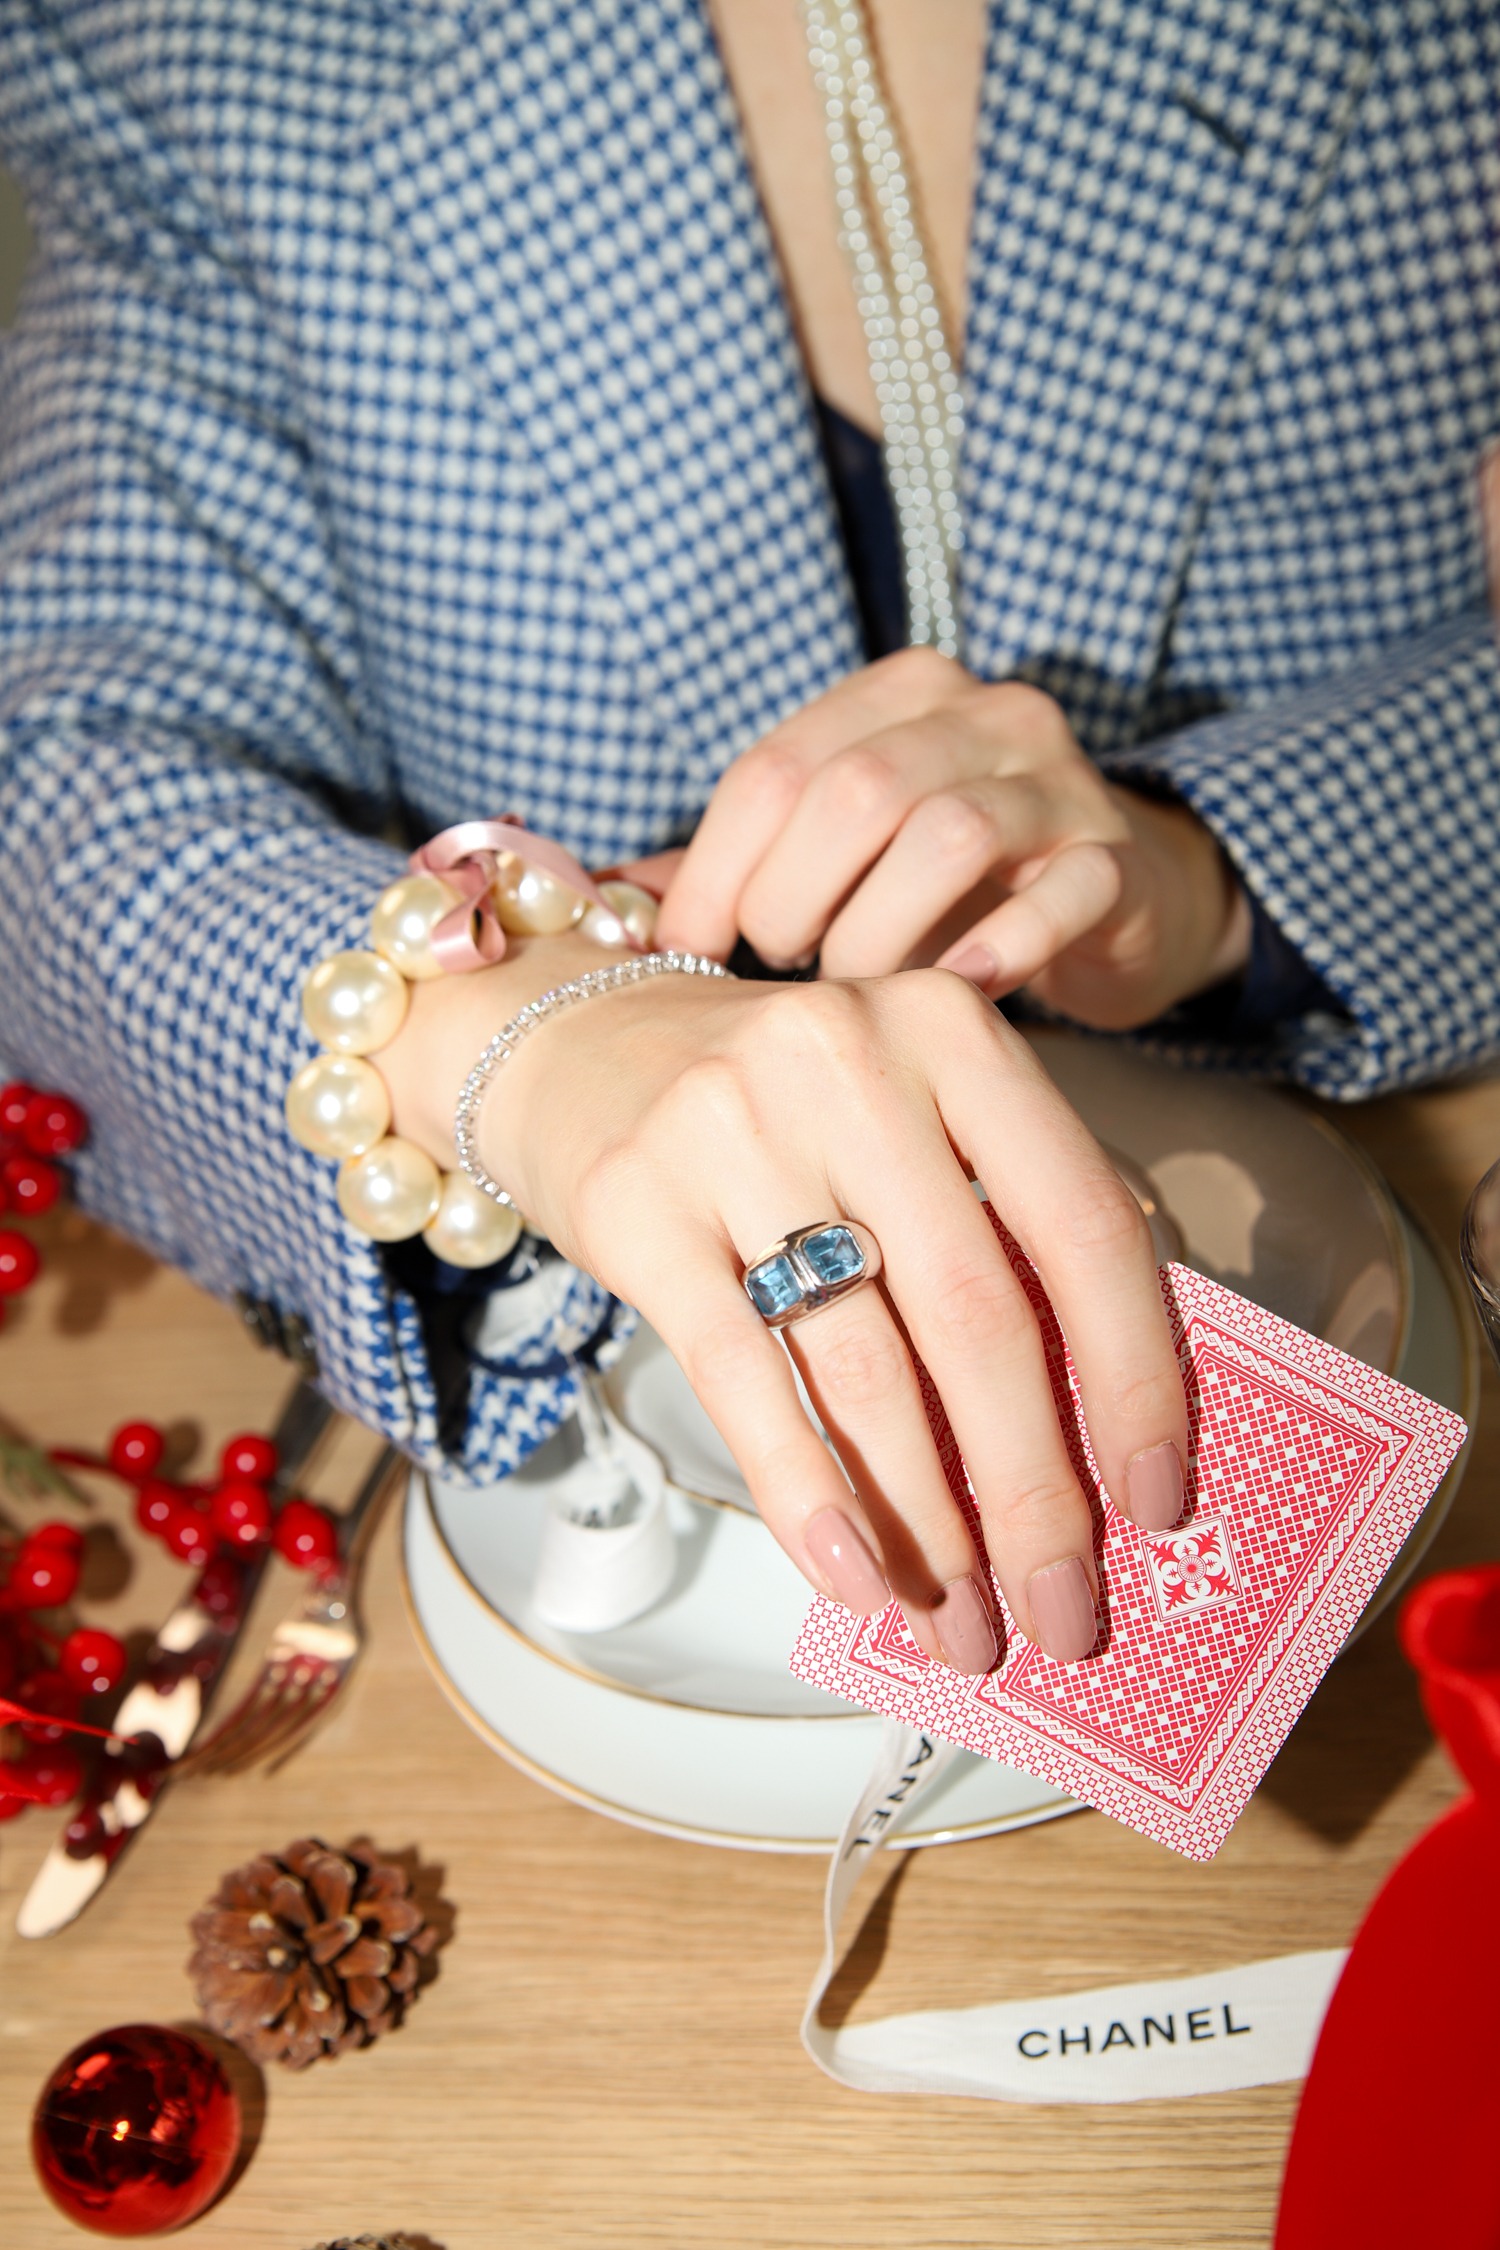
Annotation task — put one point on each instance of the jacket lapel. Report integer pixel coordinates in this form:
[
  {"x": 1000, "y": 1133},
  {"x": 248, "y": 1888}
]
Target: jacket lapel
[
  {"x": 572, "y": 184},
  {"x": 1147, "y": 174}
]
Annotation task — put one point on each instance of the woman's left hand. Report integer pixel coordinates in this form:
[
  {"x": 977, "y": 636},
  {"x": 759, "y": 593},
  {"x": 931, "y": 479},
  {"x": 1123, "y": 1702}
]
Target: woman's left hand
[{"x": 914, "y": 815}]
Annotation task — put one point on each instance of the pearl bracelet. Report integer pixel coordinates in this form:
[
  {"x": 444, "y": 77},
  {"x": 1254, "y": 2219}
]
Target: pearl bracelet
[
  {"x": 466, "y": 890},
  {"x": 503, "y": 1045}
]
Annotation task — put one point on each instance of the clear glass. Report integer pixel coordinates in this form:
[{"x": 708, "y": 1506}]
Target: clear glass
[{"x": 1481, "y": 1252}]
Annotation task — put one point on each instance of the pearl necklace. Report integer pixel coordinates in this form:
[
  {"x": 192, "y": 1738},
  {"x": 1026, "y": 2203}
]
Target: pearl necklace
[{"x": 916, "y": 381}]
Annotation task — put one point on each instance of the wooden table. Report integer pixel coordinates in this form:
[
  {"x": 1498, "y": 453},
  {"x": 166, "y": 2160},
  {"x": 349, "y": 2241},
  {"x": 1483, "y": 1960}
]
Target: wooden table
[{"x": 609, "y": 2056}]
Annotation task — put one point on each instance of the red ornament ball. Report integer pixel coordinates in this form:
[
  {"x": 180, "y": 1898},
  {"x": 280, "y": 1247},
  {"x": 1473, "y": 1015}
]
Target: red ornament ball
[
  {"x": 92, "y": 1660},
  {"x": 16, "y": 1098},
  {"x": 136, "y": 1449},
  {"x": 19, "y": 1263},
  {"x": 248, "y": 1459},
  {"x": 44, "y": 1574},
  {"x": 305, "y": 1535},
  {"x": 29, "y": 1185},
  {"x": 242, "y": 1514},
  {"x": 54, "y": 1125},
  {"x": 135, "y": 2131}
]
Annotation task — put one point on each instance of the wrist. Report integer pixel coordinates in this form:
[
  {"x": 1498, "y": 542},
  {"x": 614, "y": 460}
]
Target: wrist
[
  {"x": 1208, "y": 928},
  {"x": 450, "y": 1019}
]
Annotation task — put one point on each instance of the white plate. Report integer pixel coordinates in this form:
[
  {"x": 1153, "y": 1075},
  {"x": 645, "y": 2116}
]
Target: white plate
[{"x": 687, "y": 1721}]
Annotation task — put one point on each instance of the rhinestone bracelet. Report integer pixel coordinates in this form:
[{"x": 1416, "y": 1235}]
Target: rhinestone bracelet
[{"x": 506, "y": 1040}]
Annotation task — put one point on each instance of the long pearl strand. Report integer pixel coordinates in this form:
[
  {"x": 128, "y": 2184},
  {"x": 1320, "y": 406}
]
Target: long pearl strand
[{"x": 916, "y": 379}]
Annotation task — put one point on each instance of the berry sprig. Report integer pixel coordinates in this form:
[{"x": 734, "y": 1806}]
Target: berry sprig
[
  {"x": 36, "y": 1128},
  {"x": 47, "y": 1671},
  {"x": 236, "y": 1511}
]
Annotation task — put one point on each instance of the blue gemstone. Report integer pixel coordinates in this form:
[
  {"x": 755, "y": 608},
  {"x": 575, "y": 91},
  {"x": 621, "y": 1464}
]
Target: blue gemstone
[
  {"x": 773, "y": 1286},
  {"x": 834, "y": 1255}
]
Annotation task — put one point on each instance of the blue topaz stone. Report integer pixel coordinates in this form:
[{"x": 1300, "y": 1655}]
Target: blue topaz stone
[
  {"x": 834, "y": 1256},
  {"x": 774, "y": 1287}
]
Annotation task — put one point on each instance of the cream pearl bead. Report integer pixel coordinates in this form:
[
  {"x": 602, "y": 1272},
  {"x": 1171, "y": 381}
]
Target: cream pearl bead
[
  {"x": 532, "y": 903},
  {"x": 390, "y": 1192},
  {"x": 354, "y": 1002},
  {"x": 401, "y": 926},
  {"x": 337, "y": 1106},
  {"x": 636, "y": 908},
  {"x": 469, "y": 1228}
]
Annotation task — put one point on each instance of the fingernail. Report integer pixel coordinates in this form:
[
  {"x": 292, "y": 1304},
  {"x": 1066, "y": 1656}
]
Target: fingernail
[
  {"x": 965, "y": 1630},
  {"x": 854, "y": 1577},
  {"x": 1062, "y": 1610},
  {"x": 1154, "y": 1490},
  {"x": 977, "y": 963}
]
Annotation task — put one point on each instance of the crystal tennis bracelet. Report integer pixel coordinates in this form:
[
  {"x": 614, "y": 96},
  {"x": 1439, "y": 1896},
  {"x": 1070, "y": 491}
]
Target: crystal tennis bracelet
[{"x": 503, "y": 1045}]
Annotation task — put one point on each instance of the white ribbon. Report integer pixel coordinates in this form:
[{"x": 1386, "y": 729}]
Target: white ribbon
[{"x": 1166, "y": 2037}]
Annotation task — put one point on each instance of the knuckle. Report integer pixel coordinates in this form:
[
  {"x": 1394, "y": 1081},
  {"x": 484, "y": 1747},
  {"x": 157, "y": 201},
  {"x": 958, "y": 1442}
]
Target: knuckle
[
  {"x": 979, "y": 1306},
  {"x": 863, "y": 785},
  {"x": 924, "y": 670},
  {"x": 708, "y": 1095},
  {"x": 724, "y": 1354},
  {"x": 1030, "y": 711},
  {"x": 772, "y": 774},
  {"x": 1146, "y": 1401},
  {"x": 957, "y": 831},
  {"x": 820, "y": 1026},
  {"x": 1104, "y": 1219},
  {"x": 860, "y": 1364},
  {"x": 1032, "y": 1508}
]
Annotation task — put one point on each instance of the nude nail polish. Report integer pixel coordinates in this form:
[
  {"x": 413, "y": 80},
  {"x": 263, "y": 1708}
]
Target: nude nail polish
[
  {"x": 1155, "y": 1493},
  {"x": 977, "y": 963},
  {"x": 844, "y": 1560},
  {"x": 1062, "y": 1610},
  {"x": 965, "y": 1630}
]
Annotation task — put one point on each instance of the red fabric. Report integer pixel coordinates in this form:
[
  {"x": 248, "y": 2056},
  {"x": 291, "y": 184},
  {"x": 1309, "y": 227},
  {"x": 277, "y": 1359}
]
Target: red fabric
[{"x": 1397, "y": 2139}]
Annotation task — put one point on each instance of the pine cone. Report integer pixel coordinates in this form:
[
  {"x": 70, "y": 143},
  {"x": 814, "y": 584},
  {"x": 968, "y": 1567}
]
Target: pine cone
[
  {"x": 370, "y": 2242},
  {"x": 309, "y": 1953}
]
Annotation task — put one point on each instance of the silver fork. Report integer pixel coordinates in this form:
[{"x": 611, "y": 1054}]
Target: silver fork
[{"x": 311, "y": 1653}]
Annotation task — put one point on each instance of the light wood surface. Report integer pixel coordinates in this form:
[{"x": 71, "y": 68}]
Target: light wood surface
[{"x": 609, "y": 2056}]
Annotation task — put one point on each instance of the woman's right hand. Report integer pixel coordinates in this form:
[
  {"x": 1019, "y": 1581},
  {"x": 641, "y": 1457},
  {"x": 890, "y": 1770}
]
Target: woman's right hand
[{"x": 665, "y": 1134}]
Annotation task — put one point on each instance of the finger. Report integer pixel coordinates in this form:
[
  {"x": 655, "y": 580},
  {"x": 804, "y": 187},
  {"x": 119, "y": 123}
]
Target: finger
[
  {"x": 952, "y": 840},
  {"x": 969, "y": 1320},
  {"x": 756, "y": 795},
  {"x": 1076, "y": 889},
  {"x": 744, "y": 1380},
  {"x": 849, "y": 812},
  {"x": 860, "y": 1378},
  {"x": 1085, "y": 1233},
  {"x": 655, "y": 873}
]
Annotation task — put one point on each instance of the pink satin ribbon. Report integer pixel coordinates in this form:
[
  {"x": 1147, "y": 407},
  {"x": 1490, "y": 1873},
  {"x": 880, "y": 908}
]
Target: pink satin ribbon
[{"x": 466, "y": 857}]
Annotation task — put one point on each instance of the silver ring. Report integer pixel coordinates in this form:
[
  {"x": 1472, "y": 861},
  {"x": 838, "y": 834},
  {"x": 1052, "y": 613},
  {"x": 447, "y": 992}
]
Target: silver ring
[{"x": 809, "y": 1269}]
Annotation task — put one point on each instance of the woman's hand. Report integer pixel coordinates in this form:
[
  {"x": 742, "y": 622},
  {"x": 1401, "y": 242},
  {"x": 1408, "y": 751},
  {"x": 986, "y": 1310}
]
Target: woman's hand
[
  {"x": 665, "y": 1134},
  {"x": 915, "y": 815}
]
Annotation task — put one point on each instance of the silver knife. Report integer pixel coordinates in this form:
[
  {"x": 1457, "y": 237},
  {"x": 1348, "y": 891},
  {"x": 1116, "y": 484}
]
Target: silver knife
[{"x": 163, "y": 1709}]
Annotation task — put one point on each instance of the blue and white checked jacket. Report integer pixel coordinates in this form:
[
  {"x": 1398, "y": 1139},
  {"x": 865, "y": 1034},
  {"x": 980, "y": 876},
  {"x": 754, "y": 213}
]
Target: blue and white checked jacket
[{"x": 405, "y": 418}]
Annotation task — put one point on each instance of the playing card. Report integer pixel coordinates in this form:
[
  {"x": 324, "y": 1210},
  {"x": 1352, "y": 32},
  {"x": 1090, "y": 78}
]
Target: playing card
[{"x": 1307, "y": 1470}]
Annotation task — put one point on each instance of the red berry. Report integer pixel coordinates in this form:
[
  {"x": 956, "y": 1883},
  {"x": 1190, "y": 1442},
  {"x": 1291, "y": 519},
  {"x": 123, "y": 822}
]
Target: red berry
[
  {"x": 54, "y": 1125},
  {"x": 248, "y": 1459},
  {"x": 51, "y": 1696},
  {"x": 154, "y": 1504},
  {"x": 136, "y": 1449},
  {"x": 305, "y": 1535},
  {"x": 10, "y": 1663},
  {"x": 43, "y": 1575},
  {"x": 242, "y": 1514},
  {"x": 188, "y": 1534},
  {"x": 16, "y": 1099},
  {"x": 220, "y": 1584},
  {"x": 94, "y": 1661},
  {"x": 18, "y": 1262},
  {"x": 28, "y": 1184},
  {"x": 53, "y": 1770},
  {"x": 63, "y": 1536}
]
